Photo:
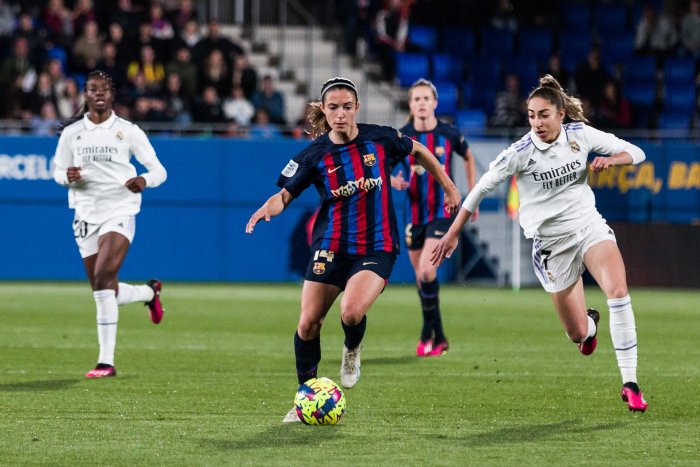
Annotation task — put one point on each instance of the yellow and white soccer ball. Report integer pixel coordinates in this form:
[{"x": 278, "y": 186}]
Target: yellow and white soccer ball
[{"x": 319, "y": 401}]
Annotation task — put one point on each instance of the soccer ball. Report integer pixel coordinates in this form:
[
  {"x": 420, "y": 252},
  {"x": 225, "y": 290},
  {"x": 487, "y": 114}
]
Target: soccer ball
[{"x": 319, "y": 401}]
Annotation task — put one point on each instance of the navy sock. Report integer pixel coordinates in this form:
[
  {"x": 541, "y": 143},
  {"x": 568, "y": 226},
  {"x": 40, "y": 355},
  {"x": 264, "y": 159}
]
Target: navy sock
[
  {"x": 354, "y": 334},
  {"x": 430, "y": 301},
  {"x": 308, "y": 356}
]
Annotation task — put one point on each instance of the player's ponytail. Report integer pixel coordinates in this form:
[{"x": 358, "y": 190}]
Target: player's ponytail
[
  {"x": 317, "y": 120},
  {"x": 552, "y": 91}
]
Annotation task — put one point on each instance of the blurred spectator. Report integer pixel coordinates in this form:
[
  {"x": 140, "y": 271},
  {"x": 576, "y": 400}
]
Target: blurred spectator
[
  {"x": 558, "y": 72},
  {"x": 357, "y": 16},
  {"x": 126, "y": 47},
  {"x": 58, "y": 79},
  {"x": 262, "y": 128},
  {"x": 82, "y": 13},
  {"x": 110, "y": 65},
  {"x": 42, "y": 93},
  {"x": 690, "y": 29},
  {"x": 36, "y": 38},
  {"x": 207, "y": 108},
  {"x": 135, "y": 89},
  {"x": 244, "y": 76},
  {"x": 189, "y": 36},
  {"x": 58, "y": 22},
  {"x": 187, "y": 71},
  {"x": 70, "y": 101},
  {"x": 391, "y": 27},
  {"x": 7, "y": 26},
  {"x": 236, "y": 107},
  {"x": 17, "y": 70},
  {"x": 214, "y": 72},
  {"x": 590, "y": 77},
  {"x": 161, "y": 27},
  {"x": 503, "y": 16},
  {"x": 215, "y": 41},
  {"x": 614, "y": 110},
  {"x": 183, "y": 14},
  {"x": 127, "y": 16},
  {"x": 270, "y": 99},
  {"x": 177, "y": 105},
  {"x": 509, "y": 107},
  {"x": 46, "y": 121},
  {"x": 145, "y": 37},
  {"x": 655, "y": 34},
  {"x": 148, "y": 109},
  {"x": 87, "y": 49},
  {"x": 153, "y": 71}
]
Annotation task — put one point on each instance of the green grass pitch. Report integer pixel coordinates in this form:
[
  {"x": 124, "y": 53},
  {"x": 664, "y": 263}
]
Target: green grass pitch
[{"x": 209, "y": 385}]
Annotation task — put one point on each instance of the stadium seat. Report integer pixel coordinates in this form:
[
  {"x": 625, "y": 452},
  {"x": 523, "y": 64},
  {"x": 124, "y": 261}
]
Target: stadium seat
[
  {"x": 680, "y": 98},
  {"x": 486, "y": 70},
  {"x": 674, "y": 121},
  {"x": 467, "y": 87},
  {"x": 446, "y": 67},
  {"x": 448, "y": 98},
  {"x": 471, "y": 119},
  {"x": 424, "y": 38},
  {"x": 497, "y": 43},
  {"x": 640, "y": 70},
  {"x": 60, "y": 54},
  {"x": 641, "y": 95},
  {"x": 411, "y": 67},
  {"x": 679, "y": 71},
  {"x": 458, "y": 41},
  {"x": 527, "y": 71},
  {"x": 484, "y": 98},
  {"x": 611, "y": 16},
  {"x": 573, "y": 45},
  {"x": 576, "y": 16},
  {"x": 536, "y": 44},
  {"x": 618, "y": 47}
]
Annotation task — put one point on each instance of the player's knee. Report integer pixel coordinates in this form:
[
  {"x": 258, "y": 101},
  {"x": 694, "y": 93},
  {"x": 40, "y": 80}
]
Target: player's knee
[
  {"x": 577, "y": 334},
  {"x": 105, "y": 280},
  {"x": 617, "y": 292},
  {"x": 351, "y": 314},
  {"x": 308, "y": 330}
]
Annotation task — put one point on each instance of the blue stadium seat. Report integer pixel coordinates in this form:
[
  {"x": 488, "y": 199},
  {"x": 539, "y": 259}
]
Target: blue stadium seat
[
  {"x": 617, "y": 47},
  {"x": 640, "y": 70},
  {"x": 458, "y": 41},
  {"x": 573, "y": 45},
  {"x": 60, "y": 54},
  {"x": 411, "y": 67},
  {"x": 467, "y": 88},
  {"x": 423, "y": 37},
  {"x": 679, "y": 71},
  {"x": 446, "y": 67},
  {"x": 536, "y": 44},
  {"x": 484, "y": 97},
  {"x": 641, "y": 95},
  {"x": 470, "y": 119},
  {"x": 497, "y": 43},
  {"x": 527, "y": 71},
  {"x": 485, "y": 70},
  {"x": 680, "y": 98},
  {"x": 575, "y": 16},
  {"x": 611, "y": 16},
  {"x": 674, "y": 121},
  {"x": 448, "y": 98}
]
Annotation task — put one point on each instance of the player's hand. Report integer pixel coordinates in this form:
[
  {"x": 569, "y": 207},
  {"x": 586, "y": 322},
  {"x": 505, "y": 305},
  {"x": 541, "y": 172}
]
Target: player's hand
[
  {"x": 444, "y": 248},
  {"x": 73, "y": 174},
  {"x": 262, "y": 213},
  {"x": 600, "y": 164},
  {"x": 453, "y": 201},
  {"x": 136, "y": 184},
  {"x": 398, "y": 182}
]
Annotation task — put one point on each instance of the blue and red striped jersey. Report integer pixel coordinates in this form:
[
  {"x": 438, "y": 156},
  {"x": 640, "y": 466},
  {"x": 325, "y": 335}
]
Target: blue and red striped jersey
[
  {"x": 353, "y": 180},
  {"x": 426, "y": 198}
]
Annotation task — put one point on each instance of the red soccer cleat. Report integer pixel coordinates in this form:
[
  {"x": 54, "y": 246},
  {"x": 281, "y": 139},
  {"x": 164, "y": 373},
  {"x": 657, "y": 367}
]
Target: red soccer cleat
[
  {"x": 634, "y": 397},
  {"x": 101, "y": 370},
  {"x": 588, "y": 346},
  {"x": 423, "y": 348},
  {"x": 154, "y": 305},
  {"x": 439, "y": 349}
]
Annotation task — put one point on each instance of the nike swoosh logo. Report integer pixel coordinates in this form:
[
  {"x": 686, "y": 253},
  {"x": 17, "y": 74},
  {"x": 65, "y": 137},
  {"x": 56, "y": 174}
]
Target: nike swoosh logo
[
  {"x": 368, "y": 262},
  {"x": 330, "y": 171}
]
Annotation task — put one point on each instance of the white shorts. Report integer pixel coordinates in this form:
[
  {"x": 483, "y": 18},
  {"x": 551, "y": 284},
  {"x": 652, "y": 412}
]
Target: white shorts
[
  {"x": 558, "y": 261},
  {"x": 87, "y": 235}
]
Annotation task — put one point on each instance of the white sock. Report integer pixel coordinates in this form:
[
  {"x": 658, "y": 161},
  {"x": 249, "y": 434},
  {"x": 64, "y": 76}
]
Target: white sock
[
  {"x": 133, "y": 293},
  {"x": 624, "y": 337},
  {"x": 591, "y": 328},
  {"x": 107, "y": 318}
]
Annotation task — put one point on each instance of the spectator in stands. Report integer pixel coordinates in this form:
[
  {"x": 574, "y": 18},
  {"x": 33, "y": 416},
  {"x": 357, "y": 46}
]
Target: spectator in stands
[
  {"x": 46, "y": 122},
  {"x": 189, "y": 36},
  {"x": 509, "y": 108},
  {"x": 391, "y": 27},
  {"x": 83, "y": 12},
  {"x": 215, "y": 72},
  {"x": 557, "y": 71},
  {"x": 87, "y": 49},
  {"x": 690, "y": 30},
  {"x": 183, "y": 14},
  {"x": 58, "y": 22},
  {"x": 357, "y": 17},
  {"x": 178, "y": 107},
  {"x": 503, "y": 16},
  {"x": 58, "y": 79},
  {"x": 207, "y": 108},
  {"x": 161, "y": 27},
  {"x": 149, "y": 109},
  {"x": 128, "y": 17},
  {"x": 7, "y": 26},
  {"x": 236, "y": 107},
  {"x": 125, "y": 45},
  {"x": 152, "y": 69},
  {"x": 262, "y": 128},
  {"x": 590, "y": 77},
  {"x": 145, "y": 37},
  {"x": 17, "y": 71},
  {"x": 182, "y": 65},
  {"x": 110, "y": 65},
  {"x": 270, "y": 99},
  {"x": 36, "y": 39},
  {"x": 614, "y": 110},
  {"x": 70, "y": 101},
  {"x": 655, "y": 34},
  {"x": 42, "y": 93},
  {"x": 214, "y": 40},
  {"x": 244, "y": 76}
]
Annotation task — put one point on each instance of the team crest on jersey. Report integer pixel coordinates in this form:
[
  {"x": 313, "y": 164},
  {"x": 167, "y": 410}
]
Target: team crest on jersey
[
  {"x": 574, "y": 146},
  {"x": 369, "y": 159},
  {"x": 319, "y": 268},
  {"x": 439, "y": 151},
  {"x": 120, "y": 135}
]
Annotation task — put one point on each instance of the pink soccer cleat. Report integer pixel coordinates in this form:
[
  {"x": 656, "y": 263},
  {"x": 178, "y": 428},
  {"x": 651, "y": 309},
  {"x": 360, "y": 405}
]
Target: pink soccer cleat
[
  {"x": 154, "y": 305},
  {"x": 634, "y": 397},
  {"x": 101, "y": 370},
  {"x": 439, "y": 349},
  {"x": 424, "y": 347},
  {"x": 588, "y": 346}
]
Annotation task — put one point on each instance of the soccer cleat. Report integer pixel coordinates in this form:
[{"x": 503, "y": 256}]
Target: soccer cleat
[
  {"x": 101, "y": 370},
  {"x": 291, "y": 416},
  {"x": 350, "y": 367},
  {"x": 154, "y": 305},
  {"x": 588, "y": 346},
  {"x": 439, "y": 349},
  {"x": 634, "y": 397},
  {"x": 424, "y": 347}
]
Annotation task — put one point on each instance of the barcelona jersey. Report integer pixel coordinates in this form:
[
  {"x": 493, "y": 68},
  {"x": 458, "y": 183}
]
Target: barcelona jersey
[
  {"x": 353, "y": 180},
  {"x": 426, "y": 198}
]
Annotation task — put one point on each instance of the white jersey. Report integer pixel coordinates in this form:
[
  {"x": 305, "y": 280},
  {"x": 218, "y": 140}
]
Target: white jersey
[
  {"x": 555, "y": 198},
  {"x": 103, "y": 153}
]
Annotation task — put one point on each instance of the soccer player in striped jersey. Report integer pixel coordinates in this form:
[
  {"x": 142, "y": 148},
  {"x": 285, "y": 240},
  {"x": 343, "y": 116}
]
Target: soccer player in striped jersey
[
  {"x": 557, "y": 210},
  {"x": 93, "y": 160},
  {"x": 355, "y": 238},
  {"x": 426, "y": 218}
]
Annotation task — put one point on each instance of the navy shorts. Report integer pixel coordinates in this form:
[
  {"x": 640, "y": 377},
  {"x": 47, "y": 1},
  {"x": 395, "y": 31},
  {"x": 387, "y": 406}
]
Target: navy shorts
[
  {"x": 416, "y": 234},
  {"x": 337, "y": 268}
]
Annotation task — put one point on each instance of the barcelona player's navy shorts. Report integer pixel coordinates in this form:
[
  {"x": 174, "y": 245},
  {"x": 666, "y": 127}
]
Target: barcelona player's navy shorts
[
  {"x": 416, "y": 234},
  {"x": 333, "y": 268}
]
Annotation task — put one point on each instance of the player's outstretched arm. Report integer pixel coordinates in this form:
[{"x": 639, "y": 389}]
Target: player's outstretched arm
[
  {"x": 272, "y": 207},
  {"x": 431, "y": 164},
  {"x": 448, "y": 243}
]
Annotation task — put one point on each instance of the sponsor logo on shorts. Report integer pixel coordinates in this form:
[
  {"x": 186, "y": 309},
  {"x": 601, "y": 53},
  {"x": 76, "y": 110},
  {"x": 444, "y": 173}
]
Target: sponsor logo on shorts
[{"x": 319, "y": 268}]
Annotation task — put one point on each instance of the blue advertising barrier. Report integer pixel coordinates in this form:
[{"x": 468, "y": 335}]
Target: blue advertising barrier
[{"x": 192, "y": 227}]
